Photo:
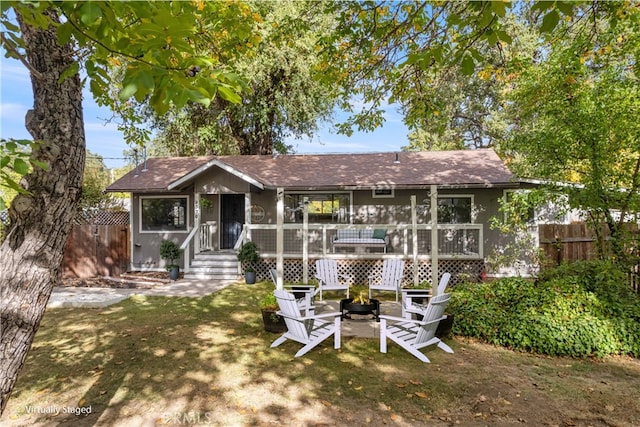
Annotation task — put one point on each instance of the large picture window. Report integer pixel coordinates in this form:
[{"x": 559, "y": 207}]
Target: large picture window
[
  {"x": 163, "y": 214},
  {"x": 332, "y": 208},
  {"x": 454, "y": 209}
]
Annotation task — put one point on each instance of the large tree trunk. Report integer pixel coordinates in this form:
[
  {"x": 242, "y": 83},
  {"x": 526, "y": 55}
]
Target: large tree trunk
[{"x": 31, "y": 255}]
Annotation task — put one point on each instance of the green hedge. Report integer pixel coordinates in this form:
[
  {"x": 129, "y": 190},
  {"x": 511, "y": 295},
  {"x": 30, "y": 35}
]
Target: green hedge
[{"x": 579, "y": 310}]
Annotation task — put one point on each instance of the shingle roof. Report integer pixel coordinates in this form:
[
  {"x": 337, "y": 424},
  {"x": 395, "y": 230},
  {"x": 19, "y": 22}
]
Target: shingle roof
[
  {"x": 161, "y": 171},
  {"x": 414, "y": 169}
]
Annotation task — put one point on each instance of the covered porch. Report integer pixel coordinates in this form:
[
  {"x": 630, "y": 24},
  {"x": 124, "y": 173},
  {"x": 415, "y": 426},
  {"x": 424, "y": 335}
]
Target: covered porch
[{"x": 292, "y": 248}]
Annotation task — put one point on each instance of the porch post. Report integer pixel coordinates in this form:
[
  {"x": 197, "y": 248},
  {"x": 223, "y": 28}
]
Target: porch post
[
  {"x": 414, "y": 235},
  {"x": 132, "y": 227},
  {"x": 247, "y": 213},
  {"x": 280, "y": 237},
  {"x": 434, "y": 239},
  {"x": 305, "y": 240},
  {"x": 197, "y": 221}
]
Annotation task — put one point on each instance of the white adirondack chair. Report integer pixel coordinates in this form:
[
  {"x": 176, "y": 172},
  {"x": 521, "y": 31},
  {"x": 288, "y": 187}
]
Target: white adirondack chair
[
  {"x": 412, "y": 335},
  {"x": 305, "y": 303},
  {"x": 328, "y": 277},
  {"x": 390, "y": 279},
  {"x": 309, "y": 330},
  {"x": 409, "y": 306}
]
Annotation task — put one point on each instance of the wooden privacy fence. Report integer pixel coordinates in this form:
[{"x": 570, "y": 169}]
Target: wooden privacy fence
[
  {"x": 566, "y": 243},
  {"x": 577, "y": 242},
  {"x": 98, "y": 245}
]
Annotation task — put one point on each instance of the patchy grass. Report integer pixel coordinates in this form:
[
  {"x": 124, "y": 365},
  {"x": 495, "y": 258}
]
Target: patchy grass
[{"x": 207, "y": 361}]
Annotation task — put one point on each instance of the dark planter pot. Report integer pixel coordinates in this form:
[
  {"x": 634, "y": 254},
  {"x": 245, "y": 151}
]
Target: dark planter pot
[
  {"x": 273, "y": 322},
  {"x": 174, "y": 273},
  {"x": 445, "y": 326},
  {"x": 250, "y": 277}
]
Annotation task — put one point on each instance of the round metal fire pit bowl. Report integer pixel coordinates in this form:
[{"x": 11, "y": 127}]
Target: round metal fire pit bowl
[{"x": 347, "y": 307}]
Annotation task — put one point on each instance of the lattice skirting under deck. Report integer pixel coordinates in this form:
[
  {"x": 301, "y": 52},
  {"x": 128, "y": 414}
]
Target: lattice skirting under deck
[{"x": 360, "y": 270}]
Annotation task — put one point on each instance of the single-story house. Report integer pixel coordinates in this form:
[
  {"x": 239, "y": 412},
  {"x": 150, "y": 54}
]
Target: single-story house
[{"x": 357, "y": 208}]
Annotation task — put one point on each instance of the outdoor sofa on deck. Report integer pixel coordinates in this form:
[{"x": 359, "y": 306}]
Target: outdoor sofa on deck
[{"x": 365, "y": 238}]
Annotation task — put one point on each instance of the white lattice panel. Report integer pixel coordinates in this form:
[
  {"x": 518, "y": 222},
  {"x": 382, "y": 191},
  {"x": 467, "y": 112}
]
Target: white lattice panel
[{"x": 360, "y": 270}]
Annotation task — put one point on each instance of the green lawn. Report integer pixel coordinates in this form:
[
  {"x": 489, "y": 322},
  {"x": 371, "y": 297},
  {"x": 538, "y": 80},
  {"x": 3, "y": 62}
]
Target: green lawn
[{"x": 207, "y": 361}]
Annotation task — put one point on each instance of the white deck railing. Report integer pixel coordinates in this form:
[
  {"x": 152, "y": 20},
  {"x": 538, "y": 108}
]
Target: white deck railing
[{"x": 454, "y": 240}]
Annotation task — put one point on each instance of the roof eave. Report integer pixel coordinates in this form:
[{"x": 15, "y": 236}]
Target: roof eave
[{"x": 509, "y": 184}]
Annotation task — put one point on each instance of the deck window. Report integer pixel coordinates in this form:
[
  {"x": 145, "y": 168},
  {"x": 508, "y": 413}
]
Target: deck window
[
  {"x": 454, "y": 209},
  {"x": 167, "y": 214},
  {"x": 332, "y": 208}
]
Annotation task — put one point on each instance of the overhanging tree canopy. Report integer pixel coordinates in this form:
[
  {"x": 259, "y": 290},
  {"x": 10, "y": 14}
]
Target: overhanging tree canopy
[
  {"x": 158, "y": 42},
  {"x": 371, "y": 54}
]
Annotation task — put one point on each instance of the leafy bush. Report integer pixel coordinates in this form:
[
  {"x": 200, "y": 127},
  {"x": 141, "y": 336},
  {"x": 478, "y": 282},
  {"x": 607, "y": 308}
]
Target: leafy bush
[
  {"x": 579, "y": 310},
  {"x": 248, "y": 256},
  {"x": 269, "y": 302},
  {"x": 169, "y": 251}
]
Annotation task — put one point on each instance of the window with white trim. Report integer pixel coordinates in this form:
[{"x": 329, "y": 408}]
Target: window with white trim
[
  {"x": 454, "y": 209},
  {"x": 382, "y": 193},
  {"x": 332, "y": 208},
  {"x": 164, "y": 213}
]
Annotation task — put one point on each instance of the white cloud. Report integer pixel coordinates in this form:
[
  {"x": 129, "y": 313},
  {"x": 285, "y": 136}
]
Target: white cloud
[
  {"x": 12, "y": 111},
  {"x": 15, "y": 73}
]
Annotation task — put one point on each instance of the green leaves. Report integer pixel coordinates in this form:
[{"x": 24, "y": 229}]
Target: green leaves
[
  {"x": 15, "y": 161},
  {"x": 578, "y": 310},
  {"x": 550, "y": 21},
  {"x": 20, "y": 166},
  {"x": 150, "y": 48},
  {"x": 128, "y": 91},
  {"x": 229, "y": 94},
  {"x": 72, "y": 70},
  {"x": 90, "y": 13},
  {"x": 467, "y": 65}
]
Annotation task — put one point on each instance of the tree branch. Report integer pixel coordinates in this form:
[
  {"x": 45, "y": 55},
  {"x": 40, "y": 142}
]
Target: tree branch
[
  {"x": 126, "y": 55},
  {"x": 7, "y": 45}
]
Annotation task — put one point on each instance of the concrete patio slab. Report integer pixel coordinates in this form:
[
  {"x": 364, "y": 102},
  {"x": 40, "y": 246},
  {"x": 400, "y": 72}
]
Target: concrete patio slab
[
  {"x": 361, "y": 326},
  {"x": 104, "y": 297}
]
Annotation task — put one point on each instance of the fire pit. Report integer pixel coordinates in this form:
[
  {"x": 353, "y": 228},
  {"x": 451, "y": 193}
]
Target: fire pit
[{"x": 371, "y": 306}]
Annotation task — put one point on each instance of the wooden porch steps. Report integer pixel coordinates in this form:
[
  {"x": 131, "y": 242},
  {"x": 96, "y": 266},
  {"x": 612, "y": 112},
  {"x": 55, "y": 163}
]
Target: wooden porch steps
[{"x": 214, "y": 266}]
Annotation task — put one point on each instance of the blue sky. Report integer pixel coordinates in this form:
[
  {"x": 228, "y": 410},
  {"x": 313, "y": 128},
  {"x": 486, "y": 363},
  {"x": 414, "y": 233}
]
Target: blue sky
[{"x": 103, "y": 138}]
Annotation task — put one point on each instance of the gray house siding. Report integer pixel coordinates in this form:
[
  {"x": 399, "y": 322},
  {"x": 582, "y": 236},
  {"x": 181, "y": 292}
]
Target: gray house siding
[
  {"x": 145, "y": 246},
  {"x": 220, "y": 193},
  {"x": 365, "y": 209}
]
